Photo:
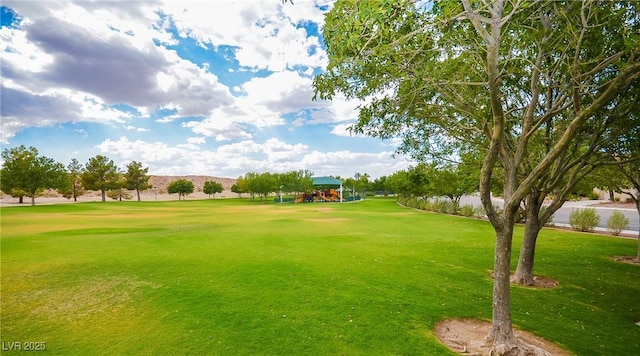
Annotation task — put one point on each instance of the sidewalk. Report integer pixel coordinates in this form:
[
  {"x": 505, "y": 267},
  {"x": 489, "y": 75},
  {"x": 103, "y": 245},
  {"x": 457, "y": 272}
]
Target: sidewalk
[
  {"x": 589, "y": 203},
  {"x": 604, "y": 231}
]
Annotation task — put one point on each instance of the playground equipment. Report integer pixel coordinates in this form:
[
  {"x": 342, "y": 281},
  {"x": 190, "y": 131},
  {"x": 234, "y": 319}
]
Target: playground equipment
[{"x": 329, "y": 195}]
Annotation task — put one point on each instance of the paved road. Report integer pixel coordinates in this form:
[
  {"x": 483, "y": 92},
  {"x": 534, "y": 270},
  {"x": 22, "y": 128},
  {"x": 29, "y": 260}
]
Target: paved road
[{"x": 561, "y": 217}]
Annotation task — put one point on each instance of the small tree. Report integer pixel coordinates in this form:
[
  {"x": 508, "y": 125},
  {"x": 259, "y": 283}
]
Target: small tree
[
  {"x": 362, "y": 183},
  {"x": 119, "y": 194},
  {"x": 235, "y": 188},
  {"x": 119, "y": 191},
  {"x": 211, "y": 188},
  {"x": 241, "y": 186},
  {"x": 454, "y": 181},
  {"x": 181, "y": 186},
  {"x": 101, "y": 174},
  {"x": 136, "y": 177},
  {"x": 75, "y": 187},
  {"x": 378, "y": 185},
  {"x": 261, "y": 183},
  {"x": 295, "y": 181}
]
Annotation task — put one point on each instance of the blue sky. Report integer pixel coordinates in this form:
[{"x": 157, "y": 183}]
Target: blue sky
[{"x": 216, "y": 88}]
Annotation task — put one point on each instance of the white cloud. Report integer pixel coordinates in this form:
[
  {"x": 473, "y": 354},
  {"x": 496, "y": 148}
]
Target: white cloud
[
  {"x": 219, "y": 127},
  {"x": 239, "y": 158},
  {"x": 264, "y": 32},
  {"x": 278, "y": 151},
  {"x": 342, "y": 130},
  {"x": 196, "y": 140},
  {"x": 137, "y": 129},
  {"x": 282, "y": 92},
  {"x": 347, "y": 163},
  {"x": 102, "y": 57}
]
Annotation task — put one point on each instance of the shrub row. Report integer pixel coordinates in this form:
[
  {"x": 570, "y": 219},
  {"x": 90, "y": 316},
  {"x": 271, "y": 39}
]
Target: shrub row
[
  {"x": 580, "y": 219},
  {"x": 443, "y": 205},
  {"x": 587, "y": 219}
]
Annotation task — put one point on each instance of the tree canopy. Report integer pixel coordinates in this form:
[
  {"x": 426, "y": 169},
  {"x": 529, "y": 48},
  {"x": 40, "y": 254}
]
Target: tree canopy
[
  {"x": 136, "y": 177},
  {"x": 100, "y": 173},
  {"x": 212, "y": 187},
  {"x": 25, "y": 172},
  {"x": 181, "y": 186}
]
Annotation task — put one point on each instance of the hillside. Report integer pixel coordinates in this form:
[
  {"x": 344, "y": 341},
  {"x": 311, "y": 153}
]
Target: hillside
[
  {"x": 161, "y": 182},
  {"x": 158, "y": 192}
]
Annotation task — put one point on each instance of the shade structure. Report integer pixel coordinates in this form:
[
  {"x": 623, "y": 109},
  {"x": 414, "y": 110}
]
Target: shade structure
[{"x": 328, "y": 182}]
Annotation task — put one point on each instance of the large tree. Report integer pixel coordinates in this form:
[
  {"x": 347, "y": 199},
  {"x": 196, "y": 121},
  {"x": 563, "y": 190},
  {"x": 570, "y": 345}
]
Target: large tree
[
  {"x": 491, "y": 75},
  {"x": 25, "y": 170},
  {"x": 594, "y": 149},
  {"x": 136, "y": 177},
  {"x": 100, "y": 173},
  {"x": 631, "y": 172},
  {"x": 625, "y": 151}
]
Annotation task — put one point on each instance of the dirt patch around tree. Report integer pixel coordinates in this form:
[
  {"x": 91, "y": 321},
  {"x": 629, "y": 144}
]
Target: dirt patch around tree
[
  {"x": 465, "y": 336},
  {"x": 544, "y": 282},
  {"x": 627, "y": 259},
  {"x": 540, "y": 282}
]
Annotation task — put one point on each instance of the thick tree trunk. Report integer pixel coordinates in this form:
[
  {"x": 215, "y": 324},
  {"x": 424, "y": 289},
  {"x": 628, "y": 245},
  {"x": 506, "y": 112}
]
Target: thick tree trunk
[
  {"x": 524, "y": 271},
  {"x": 33, "y": 199},
  {"x": 638, "y": 209},
  {"x": 532, "y": 226},
  {"x": 501, "y": 338},
  {"x": 138, "y": 193},
  {"x": 104, "y": 195}
]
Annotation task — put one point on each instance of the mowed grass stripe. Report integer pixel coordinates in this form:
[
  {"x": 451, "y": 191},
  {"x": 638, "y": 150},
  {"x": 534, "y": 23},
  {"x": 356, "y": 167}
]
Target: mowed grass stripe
[{"x": 231, "y": 276}]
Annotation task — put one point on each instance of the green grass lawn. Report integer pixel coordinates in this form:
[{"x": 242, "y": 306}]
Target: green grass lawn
[{"x": 235, "y": 277}]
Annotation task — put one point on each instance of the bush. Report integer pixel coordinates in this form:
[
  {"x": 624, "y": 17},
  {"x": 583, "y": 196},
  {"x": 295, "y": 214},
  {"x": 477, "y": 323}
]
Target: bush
[
  {"x": 617, "y": 222},
  {"x": 413, "y": 203},
  {"x": 453, "y": 207},
  {"x": 438, "y": 205},
  {"x": 479, "y": 211},
  {"x": 584, "y": 219},
  {"x": 445, "y": 206},
  {"x": 423, "y": 204},
  {"x": 467, "y": 210},
  {"x": 593, "y": 195}
]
